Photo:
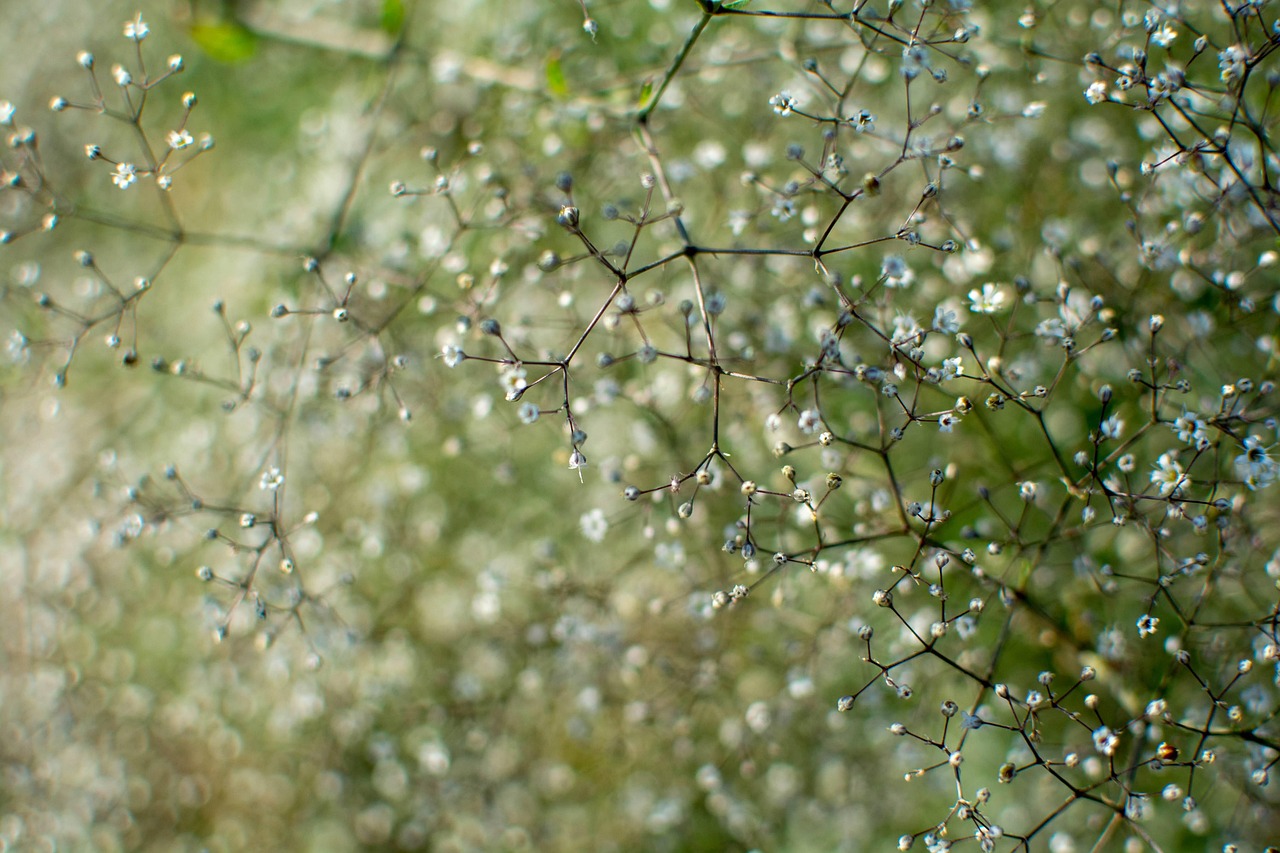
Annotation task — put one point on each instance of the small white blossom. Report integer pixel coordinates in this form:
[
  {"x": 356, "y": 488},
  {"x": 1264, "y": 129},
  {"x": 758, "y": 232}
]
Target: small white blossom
[
  {"x": 783, "y": 103},
  {"x": 1147, "y": 625},
  {"x": 809, "y": 422},
  {"x": 453, "y": 356},
  {"x": 1255, "y": 466},
  {"x": 136, "y": 29},
  {"x": 1191, "y": 428},
  {"x": 124, "y": 175},
  {"x": 1231, "y": 62},
  {"x": 1164, "y": 36},
  {"x": 1112, "y": 427},
  {"x": 271, "y": 480},
  {"x": 594, "y": 525},
  {"x": 1168, "y": 475},
  {"x": 1096, "y": 93},
  {"x": 915, "y": 58},
  {"x": 513, "y": 379},
  {"x": 896, "y": 273},
  {"x": 989, "y": 300},
  {"x": 1105, "y": 741},
  {"x": 179, "y": 139},
  {"x": 945, "y": 321}
]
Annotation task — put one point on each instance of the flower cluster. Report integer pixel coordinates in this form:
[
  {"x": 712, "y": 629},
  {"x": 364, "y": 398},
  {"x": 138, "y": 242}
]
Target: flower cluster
[{"x": 930, "y": 431}]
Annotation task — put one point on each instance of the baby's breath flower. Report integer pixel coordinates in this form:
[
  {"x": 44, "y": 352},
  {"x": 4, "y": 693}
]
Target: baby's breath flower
[
  {"x": 1168, "y": 475},
  {"x": 809, "y": 422},
  {"x": 594, "y": 525},
  {"x": 136, "y": 29},
  {"x": 453, "y": 356},
  {"x": 179, "y": 139},
  {"x": 1105, "y": 740},
  {"x": 989, "y": 300},
  {"x": 124, "y": 175},
  {"x": 1255, "y": 466},
  {"x": 1231, "y": 62},
  {"x": 783, "y": 103},
  {"x": 945, "y": 321},
  {"x": 896, "y": 273}
]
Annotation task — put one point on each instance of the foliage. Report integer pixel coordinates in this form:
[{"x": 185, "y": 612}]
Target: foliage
[{"x": 779, "y": 426}]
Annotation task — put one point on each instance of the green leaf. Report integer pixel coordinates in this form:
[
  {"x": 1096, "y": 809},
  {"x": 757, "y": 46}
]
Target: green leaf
[
  {"x": 646, "y": 92},
  {"x": 556, "y": 83},
  {"x": 225, "y": 41},
  {"x": 392, "y": 20}
]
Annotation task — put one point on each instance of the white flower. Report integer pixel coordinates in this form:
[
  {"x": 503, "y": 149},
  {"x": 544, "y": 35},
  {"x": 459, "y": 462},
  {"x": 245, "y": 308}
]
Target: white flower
[
  {"x": 809, "y": 422},
  {"x": 946, "y": 422},
  {"x": 1147, "y": 625},
  {"x": 1168, "y": 475},
  {"x": 124, "y": 175},
  {"x": 905, "y": 329},
  {"x": 945, "y": 321},
  {"x": 17, "y": 347},
  {"x": 1052, "y": 328},
  {"x": 136, "y": 29},
  {"x": 528, "y": 413},
  {"x": 783, "y": 103},
  {"x": 1105, "y": 741},
  {"x": 1231, "y": 61},
  {"x": 179, "y": 139},
  {"x": 951, "y": 368},
  {"x": 453, "y": 356},
  {"x": 915, "y": 58},
  {"x": 989, "y": 300},
  {"x": 271, "y": 479},
  {"x": 1190, "y": 428},
  {"x": 1164, "y": 36},
  {"x": 1112, "y": 427},
  {"x": 863, "y": 121},
  {"x": 122, "y": 76},
  {"x": 1096, "y": 93},
  {"x": 6, "y": 113},
  {"x": 512, "y": 379},
  {"x": 594, "y": 525},
  {"x": 1255, "y": 466},
  {"x": 895, "y": 272}
]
